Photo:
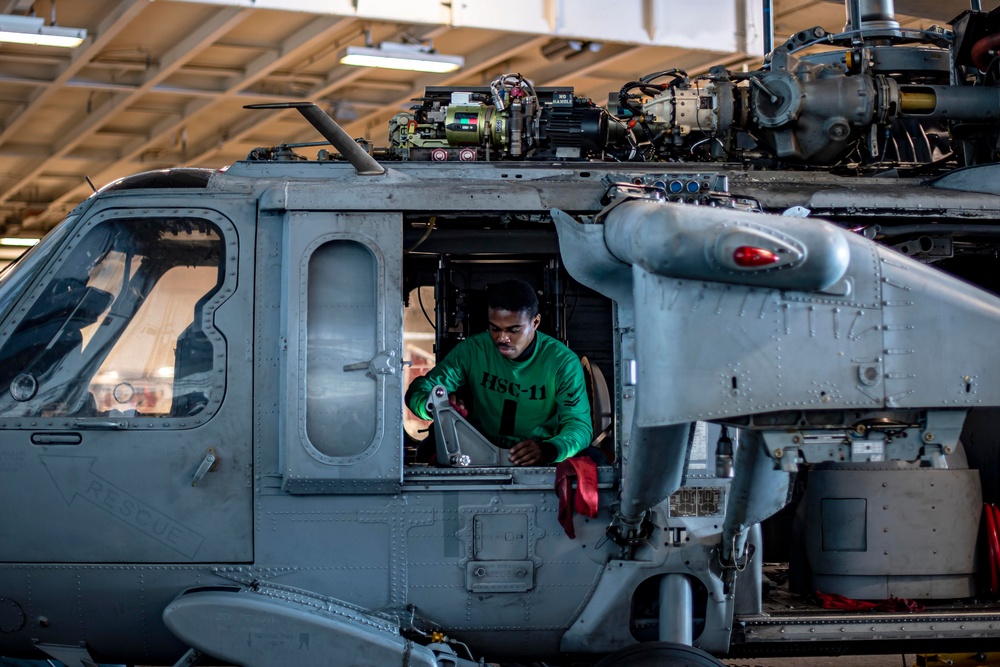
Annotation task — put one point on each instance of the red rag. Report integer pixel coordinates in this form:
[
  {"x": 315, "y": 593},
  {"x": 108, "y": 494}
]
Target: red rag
[
  {"x": 834, "y": 601},
  {"x": 584, "y": 469},
  {"x": 899, "y": 604}
]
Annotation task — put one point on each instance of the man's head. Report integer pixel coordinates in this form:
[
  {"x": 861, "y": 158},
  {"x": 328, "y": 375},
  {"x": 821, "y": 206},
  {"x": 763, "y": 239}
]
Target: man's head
[{"x": 513, "y": 316}]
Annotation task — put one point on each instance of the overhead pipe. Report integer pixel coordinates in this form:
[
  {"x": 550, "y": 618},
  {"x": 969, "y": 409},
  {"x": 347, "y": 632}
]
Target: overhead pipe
[
  {"x": 768, "y": 27},
  {"x": 854, "y": 15},
  {"x": 872, "y": 14}
]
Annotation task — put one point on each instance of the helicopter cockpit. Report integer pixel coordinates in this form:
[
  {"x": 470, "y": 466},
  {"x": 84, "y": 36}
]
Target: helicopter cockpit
[{"x": 124, "y": 329}]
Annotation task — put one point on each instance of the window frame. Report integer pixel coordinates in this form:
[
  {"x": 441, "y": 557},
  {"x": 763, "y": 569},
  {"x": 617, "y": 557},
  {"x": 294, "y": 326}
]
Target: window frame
[
  {"x": 305, "y": 304},
  {"x": 229, "y": 254}
]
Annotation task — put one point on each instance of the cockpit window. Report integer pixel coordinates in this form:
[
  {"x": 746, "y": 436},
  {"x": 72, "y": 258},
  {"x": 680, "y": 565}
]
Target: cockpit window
[
  {"x": 18, "y": 274},
  {"x": 124, "y": 327}
]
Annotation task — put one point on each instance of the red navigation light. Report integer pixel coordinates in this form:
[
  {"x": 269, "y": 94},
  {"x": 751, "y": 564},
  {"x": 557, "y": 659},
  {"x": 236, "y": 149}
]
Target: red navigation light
[{"x": 751, "y": 257}]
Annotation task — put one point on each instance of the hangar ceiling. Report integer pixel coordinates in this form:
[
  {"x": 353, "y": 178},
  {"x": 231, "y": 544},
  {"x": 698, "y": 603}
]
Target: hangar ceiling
[{"x": 161, "y": 83}]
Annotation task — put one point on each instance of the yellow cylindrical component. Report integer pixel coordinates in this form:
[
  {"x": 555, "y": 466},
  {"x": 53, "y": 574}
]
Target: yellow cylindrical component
[
  {"x": 467, "y": 125},
  {"x": 917, "y": 100}
]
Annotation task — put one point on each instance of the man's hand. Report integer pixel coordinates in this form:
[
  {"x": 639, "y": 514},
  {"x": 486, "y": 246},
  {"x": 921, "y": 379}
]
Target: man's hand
[
  {"x": 527, "y": 453},
  {"x": 458, "y": 404}
]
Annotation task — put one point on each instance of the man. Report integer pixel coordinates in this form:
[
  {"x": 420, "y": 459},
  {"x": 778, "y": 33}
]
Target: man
[{"x": 527, "y": 388}]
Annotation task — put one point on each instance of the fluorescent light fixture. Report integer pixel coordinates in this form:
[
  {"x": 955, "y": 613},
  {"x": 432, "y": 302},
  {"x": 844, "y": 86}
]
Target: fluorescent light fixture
[
  {"x": 32, "y": 30},
  {"x": 18, "y": 241},
  {"x": 392, "y": 55}
]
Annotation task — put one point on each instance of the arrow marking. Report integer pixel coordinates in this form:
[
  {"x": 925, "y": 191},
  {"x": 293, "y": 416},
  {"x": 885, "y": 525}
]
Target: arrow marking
[{"x": 74, "y": 477}]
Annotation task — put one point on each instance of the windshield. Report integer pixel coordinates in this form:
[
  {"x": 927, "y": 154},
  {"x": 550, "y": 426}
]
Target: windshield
[{"x": 16, "y": 276}]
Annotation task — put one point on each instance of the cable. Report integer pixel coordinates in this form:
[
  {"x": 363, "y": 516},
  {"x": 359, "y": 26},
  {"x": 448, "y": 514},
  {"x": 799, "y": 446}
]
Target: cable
[
  {"x": 423, "y": 310},
  {"x": 679, "y": 76},
  {"x": 624, "y": 98},
  {"x": 430, "y": 228},
  {"x": 991, "y": 73}
]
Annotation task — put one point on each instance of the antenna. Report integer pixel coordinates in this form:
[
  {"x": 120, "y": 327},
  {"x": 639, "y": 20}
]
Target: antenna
[{"x": 364, "y": 163}]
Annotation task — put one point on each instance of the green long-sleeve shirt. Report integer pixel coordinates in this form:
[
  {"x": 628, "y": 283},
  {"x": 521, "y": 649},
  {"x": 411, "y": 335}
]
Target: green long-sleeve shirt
[{"x": 543, "y": 397}]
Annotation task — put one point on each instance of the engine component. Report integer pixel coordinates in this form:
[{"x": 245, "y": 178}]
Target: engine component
[
  {"x": 887, "y": 96},
  {"x": 507, "y": 120},
  {"x": 876, "y": 97}
]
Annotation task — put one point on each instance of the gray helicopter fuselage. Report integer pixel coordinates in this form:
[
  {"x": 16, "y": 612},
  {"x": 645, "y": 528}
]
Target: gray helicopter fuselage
[{"x": 257, "y": 501}]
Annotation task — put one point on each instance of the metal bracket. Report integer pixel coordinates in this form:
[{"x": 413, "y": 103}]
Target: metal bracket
[
  {"x": 940, "y": 435},
  {"x": 932, "y": 441},
  {"x": 458, "y": 442},
  {"x": 189, "y": 659},
  {"x": 627, "y": 534},
  {"x": 69, "y": 655}
]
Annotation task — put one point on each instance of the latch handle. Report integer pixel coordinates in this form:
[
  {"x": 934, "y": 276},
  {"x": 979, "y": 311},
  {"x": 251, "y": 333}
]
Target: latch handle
[
  {"x": 383, "y": 363},
  {"x": 207, "y": 465}
]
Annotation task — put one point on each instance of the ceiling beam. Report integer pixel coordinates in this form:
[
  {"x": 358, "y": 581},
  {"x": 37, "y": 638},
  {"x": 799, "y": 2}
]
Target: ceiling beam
[
  {"x": 339, "y": 77},
  {"x": 481, "y": 60},
  {"x": 116, "y": 21},
  {"x": 565, "y": 72},
  {"x": 296, "y": 48},
  {"x": 14, "y": 6},
  {"x": 198, "y": 39}
]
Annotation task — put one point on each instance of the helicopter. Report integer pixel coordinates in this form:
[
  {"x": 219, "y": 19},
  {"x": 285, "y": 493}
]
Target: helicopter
[{"x": 782, "y": 283}]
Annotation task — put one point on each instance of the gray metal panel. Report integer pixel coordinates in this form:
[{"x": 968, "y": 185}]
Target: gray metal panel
[
  {"x": 923, "y": 364},
  {"x": 763, "y": 352},
  {"x": 415, "y": 548},
  {"x": 844, "y": 524},
  {"x": 113, "y": 606},
  {"x": 125, "y": 495},
  {"x": 757, "y": 491},
  {"x": 758, "y": 349},
  {"x": 405, "y": 194},
  {"x": 752, "y": 337},
  {"x": 375, "y": 466},
  {"x": 922, "y": 521}
]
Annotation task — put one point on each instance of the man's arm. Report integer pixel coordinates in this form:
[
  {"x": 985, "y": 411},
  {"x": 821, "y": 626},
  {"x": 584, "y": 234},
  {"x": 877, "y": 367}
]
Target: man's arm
[
  {"x": 450, "y": 373},
  {"x": 573, "y": 408}
]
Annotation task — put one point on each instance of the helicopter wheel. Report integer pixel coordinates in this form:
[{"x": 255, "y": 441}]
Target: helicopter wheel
[{"x": 659, "y": 654}]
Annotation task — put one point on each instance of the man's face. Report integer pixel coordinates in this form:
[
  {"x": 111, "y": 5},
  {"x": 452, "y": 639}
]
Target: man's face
[{"x": 512, "y": 332}]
